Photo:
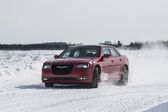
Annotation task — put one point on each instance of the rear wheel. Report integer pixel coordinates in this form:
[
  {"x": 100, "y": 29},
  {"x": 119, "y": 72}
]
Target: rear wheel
[
  {"x": 94, "y": 83},
  {"x": 124, "y": 76},
  {"x": 49, "y": 85}
]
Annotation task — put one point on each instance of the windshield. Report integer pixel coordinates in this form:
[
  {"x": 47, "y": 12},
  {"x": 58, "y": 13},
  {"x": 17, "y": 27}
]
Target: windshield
[{"x": 85, "y": 51}]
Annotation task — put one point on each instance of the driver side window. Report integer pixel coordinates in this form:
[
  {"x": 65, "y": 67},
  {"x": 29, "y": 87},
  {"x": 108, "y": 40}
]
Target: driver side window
[
  {"x": 113, "y": 52},
  {"x": 76, "y": 53},
  {"x": 105, "y": 51}
]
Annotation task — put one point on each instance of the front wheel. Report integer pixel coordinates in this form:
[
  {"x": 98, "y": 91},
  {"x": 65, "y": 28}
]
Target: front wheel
[
  {"x": 94, "y": 83},
  {"x": 124, "y": 76},
  {"x": 49, "y": 85}
]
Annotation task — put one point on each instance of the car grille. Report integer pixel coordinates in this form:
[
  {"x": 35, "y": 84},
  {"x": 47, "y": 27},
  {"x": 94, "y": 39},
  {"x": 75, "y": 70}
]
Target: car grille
[{"x": 62, "y": 69}]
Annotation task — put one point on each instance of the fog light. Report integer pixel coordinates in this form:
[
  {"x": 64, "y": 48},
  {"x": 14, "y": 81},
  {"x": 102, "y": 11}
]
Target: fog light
[{"x": 82, "y": 78}]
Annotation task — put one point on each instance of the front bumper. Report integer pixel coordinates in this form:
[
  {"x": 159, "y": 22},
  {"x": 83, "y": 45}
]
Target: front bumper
[
  {"x": 66, "y": 80},
  {"x": 76, "y": 77}
]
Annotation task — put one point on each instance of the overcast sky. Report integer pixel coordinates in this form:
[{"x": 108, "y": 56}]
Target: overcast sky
[{"x": 87, "y": 21}]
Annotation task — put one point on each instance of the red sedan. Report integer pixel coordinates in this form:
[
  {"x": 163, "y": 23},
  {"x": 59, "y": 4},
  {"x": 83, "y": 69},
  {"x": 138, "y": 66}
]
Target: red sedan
[{"x": 84, "y": 65}]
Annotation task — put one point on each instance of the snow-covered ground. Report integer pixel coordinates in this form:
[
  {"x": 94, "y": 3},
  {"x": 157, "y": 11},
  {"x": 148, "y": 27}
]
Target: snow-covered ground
[{"x": 21, "y": 89}]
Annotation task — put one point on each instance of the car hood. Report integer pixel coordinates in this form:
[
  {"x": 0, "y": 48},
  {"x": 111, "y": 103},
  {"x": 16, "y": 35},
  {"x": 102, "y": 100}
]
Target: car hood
[{"x": 70, "y": 60}]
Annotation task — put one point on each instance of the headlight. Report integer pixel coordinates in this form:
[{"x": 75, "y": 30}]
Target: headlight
[
  {"x": 84, "y": 66},
  {"x": 46, "y": 66}
]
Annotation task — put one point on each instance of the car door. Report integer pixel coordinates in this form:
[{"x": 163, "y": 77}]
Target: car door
[
  {"x": 116, "y": 62},
  {"x": 106, "y": 63}
]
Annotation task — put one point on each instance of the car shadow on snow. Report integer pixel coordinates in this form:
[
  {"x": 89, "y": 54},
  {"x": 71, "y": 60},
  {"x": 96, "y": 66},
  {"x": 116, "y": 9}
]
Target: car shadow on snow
[
  {"x": 33, "y": 86},
  {"x": 159, "y": 108},
  {"x": 71, "y": 86},
  {"x": 57, "y": 86}
]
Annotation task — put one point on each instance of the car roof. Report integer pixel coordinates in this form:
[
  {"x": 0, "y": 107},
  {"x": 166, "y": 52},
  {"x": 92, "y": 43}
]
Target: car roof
[{"x": 91, "y": 45}]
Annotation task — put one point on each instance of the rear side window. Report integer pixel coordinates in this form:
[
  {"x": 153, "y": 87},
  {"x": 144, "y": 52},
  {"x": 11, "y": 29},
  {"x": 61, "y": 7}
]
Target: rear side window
[{"x": 113, "y": 52}]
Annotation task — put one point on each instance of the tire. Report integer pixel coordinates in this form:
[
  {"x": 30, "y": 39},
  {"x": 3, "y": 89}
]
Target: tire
[
  {"x": 94, "y": 83},
  {"x": 124, "y": 77},
  {"x": 48, "y": 85}
]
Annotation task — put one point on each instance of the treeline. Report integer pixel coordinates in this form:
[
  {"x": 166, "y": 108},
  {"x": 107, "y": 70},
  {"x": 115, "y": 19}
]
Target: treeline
[
  {"x": 41, "y": 46},
  {"x": 64, "y": 45},
  {"x": 137, "y": 45},
  {"x": 131, "y": 45}
]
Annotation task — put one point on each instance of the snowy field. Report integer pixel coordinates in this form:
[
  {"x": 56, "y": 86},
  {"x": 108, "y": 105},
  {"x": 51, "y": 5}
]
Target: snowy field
[{"x": 21, "y": 89}]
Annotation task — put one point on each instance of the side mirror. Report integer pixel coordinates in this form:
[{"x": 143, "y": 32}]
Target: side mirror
[
  {"x": 107, "y": 56},
  {"x": 56, "y": 56}
]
